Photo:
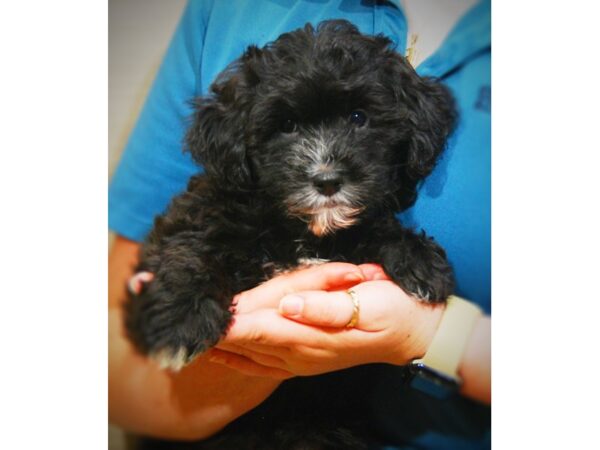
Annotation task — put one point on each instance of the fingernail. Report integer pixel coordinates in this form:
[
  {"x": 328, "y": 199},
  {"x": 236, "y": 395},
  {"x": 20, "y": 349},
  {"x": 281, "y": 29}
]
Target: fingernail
[
  {"x": 136, "y": 282},
  {"x": 380, "y": 276},
  {"x": 134, "y": 286},
  {"x": 291, "y": 305},
  {"x": 212, "y": 357},
  {"x": 146, "y": 277},
  {"x": 354, "y": 276}
]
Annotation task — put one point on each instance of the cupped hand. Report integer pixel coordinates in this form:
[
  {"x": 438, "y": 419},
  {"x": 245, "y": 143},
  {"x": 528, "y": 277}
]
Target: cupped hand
[
  {"x": 330, "y": 276},
  {"x": 307, "y": 333}
]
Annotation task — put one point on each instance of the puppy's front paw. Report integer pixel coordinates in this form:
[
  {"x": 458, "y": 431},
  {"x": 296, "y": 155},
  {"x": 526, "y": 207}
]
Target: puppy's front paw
[
  {"x": 425, "y": 291},
  {"x": 173, "y": 328},
  {"x": 419, "y": 266}
]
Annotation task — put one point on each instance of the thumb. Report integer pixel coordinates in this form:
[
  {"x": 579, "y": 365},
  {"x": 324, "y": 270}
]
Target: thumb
[
  {"x": 320, "y": 308},
  {"x": 326, "y": 276}
]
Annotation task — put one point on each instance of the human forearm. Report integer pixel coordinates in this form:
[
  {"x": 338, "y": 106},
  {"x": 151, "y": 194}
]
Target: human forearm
[{"x": 475, "y": 367}]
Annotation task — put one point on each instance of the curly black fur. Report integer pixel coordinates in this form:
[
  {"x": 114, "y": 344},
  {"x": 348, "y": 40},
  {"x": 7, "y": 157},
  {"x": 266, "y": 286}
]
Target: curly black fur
[{"x": 310, "y": 146}]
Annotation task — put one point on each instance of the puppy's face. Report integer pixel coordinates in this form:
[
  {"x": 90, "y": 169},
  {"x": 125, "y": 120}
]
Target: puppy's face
[
  {"x": 322, "y": 147},
  {"x": 331, "y": 124}
]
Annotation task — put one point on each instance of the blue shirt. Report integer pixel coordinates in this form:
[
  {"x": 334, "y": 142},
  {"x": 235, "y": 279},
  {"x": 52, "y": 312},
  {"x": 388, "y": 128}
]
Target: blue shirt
[{"x": 453, "y": 204}]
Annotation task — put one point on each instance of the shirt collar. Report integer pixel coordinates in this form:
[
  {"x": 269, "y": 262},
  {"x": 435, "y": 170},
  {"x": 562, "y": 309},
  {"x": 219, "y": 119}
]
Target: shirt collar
[{"x": 470, "y": 36}]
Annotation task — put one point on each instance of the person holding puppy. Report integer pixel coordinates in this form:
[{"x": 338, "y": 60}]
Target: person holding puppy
[{"x": 277, "y": 335}]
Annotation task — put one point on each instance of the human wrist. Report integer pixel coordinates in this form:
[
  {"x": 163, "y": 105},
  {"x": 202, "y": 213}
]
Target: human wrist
[
  {"x": 430, "y": 318},
  {"x": 424, "y": 320}
]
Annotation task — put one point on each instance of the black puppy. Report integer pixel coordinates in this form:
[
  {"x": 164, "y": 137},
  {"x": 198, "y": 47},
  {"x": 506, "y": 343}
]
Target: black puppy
[{"x": 310, "y": 146}]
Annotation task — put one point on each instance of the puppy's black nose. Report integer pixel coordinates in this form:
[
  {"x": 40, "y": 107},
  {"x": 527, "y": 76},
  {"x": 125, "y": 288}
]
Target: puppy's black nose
[{"x": 327, "y": 183}]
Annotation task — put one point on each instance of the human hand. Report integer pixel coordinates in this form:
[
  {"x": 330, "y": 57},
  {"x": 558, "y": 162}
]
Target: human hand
[
  {"x": 392, "y": 328},
  {"x": 327, "y": 276},
  {"x": 267, "y": 295}
]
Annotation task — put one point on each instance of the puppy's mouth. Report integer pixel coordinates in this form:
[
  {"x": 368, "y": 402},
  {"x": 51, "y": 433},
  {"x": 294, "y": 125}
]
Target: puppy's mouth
[
  {"x": 328, "y": 220},
  {"x": 324, "y": 214}
]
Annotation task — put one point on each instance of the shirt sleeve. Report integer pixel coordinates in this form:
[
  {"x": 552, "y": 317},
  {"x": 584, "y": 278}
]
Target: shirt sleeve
[{"x": 153, "y": 167}]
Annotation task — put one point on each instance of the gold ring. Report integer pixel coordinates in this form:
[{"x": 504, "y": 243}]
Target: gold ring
[{"x": 355, "y": 308}]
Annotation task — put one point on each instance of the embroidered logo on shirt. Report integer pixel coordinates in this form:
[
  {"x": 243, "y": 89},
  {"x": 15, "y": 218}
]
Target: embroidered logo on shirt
[{"x": 484, "y": 99}]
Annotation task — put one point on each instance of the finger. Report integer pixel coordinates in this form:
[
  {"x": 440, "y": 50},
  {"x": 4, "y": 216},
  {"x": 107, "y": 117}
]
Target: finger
[
  {"x": 268, "y": 327},
  {"x": 137, "y": 281},
  {"x": 326, "y": 309},
  {"x": 247, "y": 366},
  {"x": 285, "y": 355},
  {"x": 373, "y": 272},
  {"x": 281, "y": 352},
  {"x": 323, "y": 277},
  {"x": 262, "y": 355}
]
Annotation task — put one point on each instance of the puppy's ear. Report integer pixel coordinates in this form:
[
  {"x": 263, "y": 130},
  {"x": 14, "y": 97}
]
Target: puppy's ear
[
  {"x": 216, "y": 138},
  {"x": 432, "y": 117}
]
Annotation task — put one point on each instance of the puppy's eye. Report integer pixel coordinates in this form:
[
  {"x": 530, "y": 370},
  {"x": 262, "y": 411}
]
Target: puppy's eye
[
  {"x": 288, "y": 126},
  {"x": 358, "y": 118}
]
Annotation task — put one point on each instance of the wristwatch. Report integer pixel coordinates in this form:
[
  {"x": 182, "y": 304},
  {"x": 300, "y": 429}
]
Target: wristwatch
[{"x": 436, "y": 373}]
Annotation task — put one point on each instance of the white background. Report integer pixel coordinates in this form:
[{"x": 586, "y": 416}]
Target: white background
[{"x": 53, "y": 245}]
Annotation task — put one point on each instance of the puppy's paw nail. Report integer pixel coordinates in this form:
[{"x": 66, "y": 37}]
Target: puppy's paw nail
[{"x": 173, "y": 360}]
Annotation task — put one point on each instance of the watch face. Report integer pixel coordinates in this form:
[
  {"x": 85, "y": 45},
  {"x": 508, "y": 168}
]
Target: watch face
[{"x": 431, "y": 382}]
